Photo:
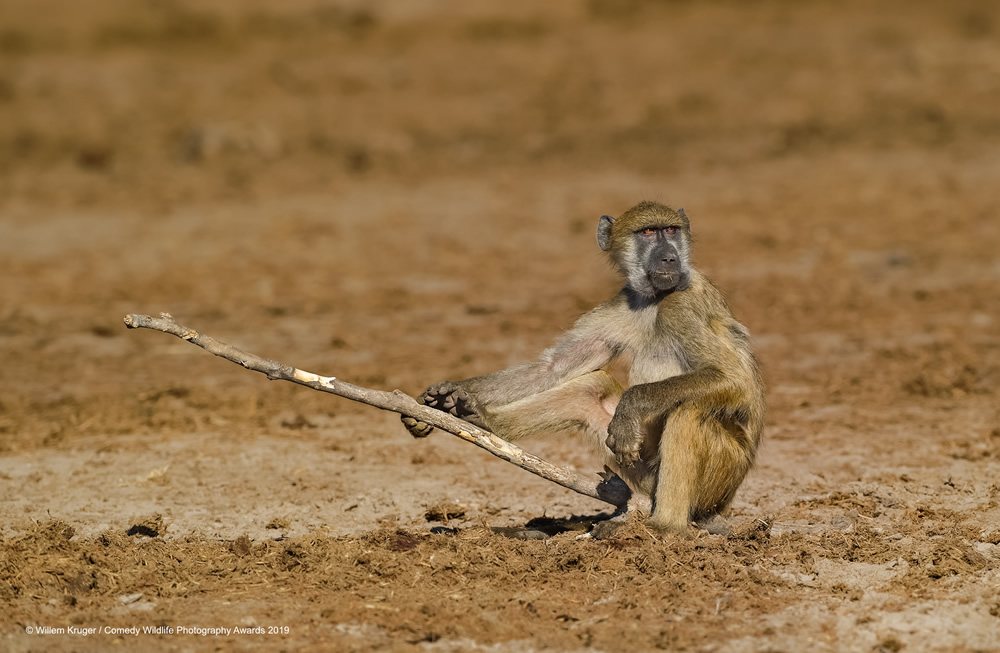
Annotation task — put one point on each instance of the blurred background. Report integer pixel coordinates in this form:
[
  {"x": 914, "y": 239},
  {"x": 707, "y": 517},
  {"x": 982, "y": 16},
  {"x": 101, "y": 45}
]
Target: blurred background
[
  {"x": 174, "y": 102},
  {"x": 408, "y": 191}
]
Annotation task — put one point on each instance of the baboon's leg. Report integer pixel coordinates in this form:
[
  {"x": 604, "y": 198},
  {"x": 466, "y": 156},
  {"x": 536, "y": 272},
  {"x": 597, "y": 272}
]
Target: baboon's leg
[
  {"x": 583, "y": 405},
  {"x": 701, "y": 466}
]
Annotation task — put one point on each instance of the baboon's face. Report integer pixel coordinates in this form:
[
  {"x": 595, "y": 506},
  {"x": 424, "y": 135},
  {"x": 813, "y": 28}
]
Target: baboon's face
[
  {"x": 658, "y": 250},
  {"x": 650, "y": 244}
]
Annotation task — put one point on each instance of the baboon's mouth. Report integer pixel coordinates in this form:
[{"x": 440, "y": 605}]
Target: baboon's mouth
[
  {"x": 667, "y": 281},
  {"x": 663, "y": 280}
]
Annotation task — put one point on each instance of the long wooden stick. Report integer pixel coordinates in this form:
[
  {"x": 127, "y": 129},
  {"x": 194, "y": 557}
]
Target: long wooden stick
[{"x": 611, "y": 490}]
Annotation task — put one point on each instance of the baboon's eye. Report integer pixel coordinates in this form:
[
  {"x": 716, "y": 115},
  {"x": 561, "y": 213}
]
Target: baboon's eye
[
  {"x": 671, "y": 230},
  {"x": 648, "y": 231}
]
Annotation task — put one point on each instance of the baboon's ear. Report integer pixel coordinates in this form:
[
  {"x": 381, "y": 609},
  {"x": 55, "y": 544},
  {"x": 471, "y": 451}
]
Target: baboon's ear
[
  {"x": 681, "y": 213},
  {"x": 604, "y": 232}
]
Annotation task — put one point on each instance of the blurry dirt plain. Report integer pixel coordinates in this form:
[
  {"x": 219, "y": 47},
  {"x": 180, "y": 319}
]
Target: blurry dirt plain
[{"x": 398, "y": 193}]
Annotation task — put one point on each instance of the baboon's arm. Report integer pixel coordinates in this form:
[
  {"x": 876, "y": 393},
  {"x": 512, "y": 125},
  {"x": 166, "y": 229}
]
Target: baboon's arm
[{"x": 653, "y": 400}]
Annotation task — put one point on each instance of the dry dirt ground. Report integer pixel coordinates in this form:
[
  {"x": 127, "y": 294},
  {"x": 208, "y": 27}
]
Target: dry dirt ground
[{"x": 398, "y": 193}]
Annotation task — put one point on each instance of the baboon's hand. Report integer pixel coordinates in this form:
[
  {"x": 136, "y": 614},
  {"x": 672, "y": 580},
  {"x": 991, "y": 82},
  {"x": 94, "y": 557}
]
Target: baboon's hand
[
  {"x": 625, "y": 432},
  {"x": 624, "y": 438}
]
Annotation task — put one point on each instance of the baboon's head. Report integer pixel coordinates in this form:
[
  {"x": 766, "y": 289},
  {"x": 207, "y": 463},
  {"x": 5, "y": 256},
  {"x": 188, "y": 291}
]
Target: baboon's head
[{"x": 651, "y": 244}]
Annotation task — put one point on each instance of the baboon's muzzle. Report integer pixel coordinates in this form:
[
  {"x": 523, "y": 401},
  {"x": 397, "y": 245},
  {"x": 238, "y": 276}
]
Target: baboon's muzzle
[{"x": 665, "y": 270}]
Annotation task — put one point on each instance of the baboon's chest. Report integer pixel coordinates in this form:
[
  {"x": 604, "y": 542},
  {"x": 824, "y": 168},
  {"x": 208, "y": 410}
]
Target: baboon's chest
[
  {"x": 656, "y": 363},
  {"x": 653, "y": 354}
]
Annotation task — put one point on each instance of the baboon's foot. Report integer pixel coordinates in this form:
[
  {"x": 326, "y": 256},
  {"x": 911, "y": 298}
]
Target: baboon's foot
[
  {"x": 416, "y": 428},
  {"x": 603, "y": 530},
  {"x": 621, "y": 523},
  {"x": 447, "y": 397},
  {"x": 453, "y": 398},
  {"x": 714, "y": 524}
]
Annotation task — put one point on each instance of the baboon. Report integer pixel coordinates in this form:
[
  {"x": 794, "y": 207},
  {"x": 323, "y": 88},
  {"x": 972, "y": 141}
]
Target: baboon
[{"x": 686, "y": 431}]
